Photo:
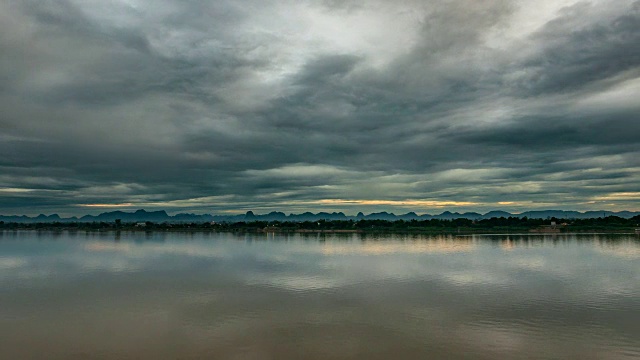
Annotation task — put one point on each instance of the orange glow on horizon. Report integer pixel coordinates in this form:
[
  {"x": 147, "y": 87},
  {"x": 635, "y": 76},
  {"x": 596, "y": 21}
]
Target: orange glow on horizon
[
  {"x": 106, "y": 205},
  {"x": 408, "y": 247},
  {"x": 425, "y": 203}
]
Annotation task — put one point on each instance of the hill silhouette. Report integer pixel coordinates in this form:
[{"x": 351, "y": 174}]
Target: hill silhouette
[{"x": 162, "y": 216}]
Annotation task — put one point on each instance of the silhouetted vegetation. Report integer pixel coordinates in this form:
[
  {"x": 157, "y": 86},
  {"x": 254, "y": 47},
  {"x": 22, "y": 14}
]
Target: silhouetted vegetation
[{"x": 461, "y": 225}]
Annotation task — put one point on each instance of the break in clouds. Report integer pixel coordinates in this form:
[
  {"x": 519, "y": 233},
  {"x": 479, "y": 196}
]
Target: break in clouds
[{"x": 214, "y": 106}]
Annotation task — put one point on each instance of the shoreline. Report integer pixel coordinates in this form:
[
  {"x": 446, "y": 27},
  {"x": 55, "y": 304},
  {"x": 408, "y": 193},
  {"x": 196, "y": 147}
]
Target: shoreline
[{"x": 328, "y": 231}]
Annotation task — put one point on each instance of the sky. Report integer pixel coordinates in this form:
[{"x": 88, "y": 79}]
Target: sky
[{"x": 319, "y": 105}]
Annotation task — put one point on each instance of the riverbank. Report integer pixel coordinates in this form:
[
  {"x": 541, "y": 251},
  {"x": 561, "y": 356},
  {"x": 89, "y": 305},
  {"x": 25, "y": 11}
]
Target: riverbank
[
  {"x": 502, "y": 225},
  {"x": 501, "y": 231}
]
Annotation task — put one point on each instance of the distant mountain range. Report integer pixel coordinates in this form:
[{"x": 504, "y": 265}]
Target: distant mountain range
[{"x": 162, "y": 216}]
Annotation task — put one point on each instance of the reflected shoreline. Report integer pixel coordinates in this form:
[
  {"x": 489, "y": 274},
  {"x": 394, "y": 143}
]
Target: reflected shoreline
[{"x": 506, "y": 241}]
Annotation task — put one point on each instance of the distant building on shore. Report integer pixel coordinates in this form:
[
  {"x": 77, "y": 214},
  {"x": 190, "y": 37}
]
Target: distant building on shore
[{"x": 548, "y": 229}]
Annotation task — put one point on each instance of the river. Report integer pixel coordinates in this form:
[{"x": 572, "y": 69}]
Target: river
[{"x": 318, "y": 296}]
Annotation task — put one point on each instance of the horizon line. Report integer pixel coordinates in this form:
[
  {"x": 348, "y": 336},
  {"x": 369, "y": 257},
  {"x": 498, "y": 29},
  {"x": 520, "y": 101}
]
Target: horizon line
[{"x": 245, "y": 213}]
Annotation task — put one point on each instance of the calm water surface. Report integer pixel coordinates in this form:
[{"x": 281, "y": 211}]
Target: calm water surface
[{"x": 225, "y": 296}]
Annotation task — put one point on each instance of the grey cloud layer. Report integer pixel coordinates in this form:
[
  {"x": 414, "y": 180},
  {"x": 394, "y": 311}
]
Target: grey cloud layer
[{"x": 225, "y": 105}]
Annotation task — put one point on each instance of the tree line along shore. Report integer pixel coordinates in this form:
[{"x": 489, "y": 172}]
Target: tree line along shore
[{"x": 460, "y": 225}]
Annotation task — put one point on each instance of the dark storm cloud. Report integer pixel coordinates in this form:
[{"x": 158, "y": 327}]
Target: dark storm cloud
[
  {"x": 575, "y": 58},
  {"x": 118, "y": 64},
  {"x": 66, "y": 18},
  {"x": 323, "y": 69},
  {"x": 212, "y": 106},
  {"x": 560, "y": 132}
]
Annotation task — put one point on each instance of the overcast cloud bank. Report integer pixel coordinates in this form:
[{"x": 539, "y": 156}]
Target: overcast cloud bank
[{"x": 229, "y": 106}]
